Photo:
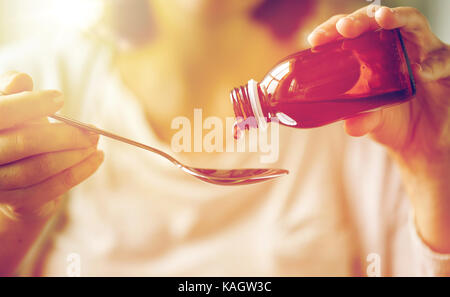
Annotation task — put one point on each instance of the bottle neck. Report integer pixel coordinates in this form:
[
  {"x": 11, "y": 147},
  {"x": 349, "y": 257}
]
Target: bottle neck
[{"x": 247, "y": 106}]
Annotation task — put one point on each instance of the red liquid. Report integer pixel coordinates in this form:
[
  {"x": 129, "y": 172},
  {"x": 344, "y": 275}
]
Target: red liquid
[
  {"x": 235, "y": 177},
  {"x": 332, "y": 82},
  {"x": 310, "y": 114}
]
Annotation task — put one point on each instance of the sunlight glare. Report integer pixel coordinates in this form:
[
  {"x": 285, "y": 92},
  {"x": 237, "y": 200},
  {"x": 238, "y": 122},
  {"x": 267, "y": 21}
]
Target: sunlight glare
[{"x": 76, "y": 13}]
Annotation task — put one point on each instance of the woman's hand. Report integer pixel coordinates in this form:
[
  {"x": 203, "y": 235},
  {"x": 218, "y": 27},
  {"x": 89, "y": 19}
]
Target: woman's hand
[
  {"x": 417, "y": 133},
  {"x": 39, "y": 161}
]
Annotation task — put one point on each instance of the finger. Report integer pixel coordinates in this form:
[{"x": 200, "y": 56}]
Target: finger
[
  {"x": 358, "y": 22},
  {"x": 386, "y": 126},
  {"x": 408, "y": 18},
  {"x": 15, "y": 82},
  {"x": 31, "y": 198},
  {"x": 325, "y": 32},
  {"x": 411, "y": 21},
  {"x": 42, "y": 138},
  {"x": 38, "y": 121},
  {"x": 36, "y": 169},
  {"x": 349, "y": 26},
  {"x": 25, "y": 106}
]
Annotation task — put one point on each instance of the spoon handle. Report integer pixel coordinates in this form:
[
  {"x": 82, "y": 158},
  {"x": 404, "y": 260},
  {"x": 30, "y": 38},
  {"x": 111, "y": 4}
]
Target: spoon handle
[{"x": 95, "y": 130}]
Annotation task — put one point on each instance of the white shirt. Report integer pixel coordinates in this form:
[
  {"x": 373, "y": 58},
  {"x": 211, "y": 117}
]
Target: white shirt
[{"x": 342, "y": 210}]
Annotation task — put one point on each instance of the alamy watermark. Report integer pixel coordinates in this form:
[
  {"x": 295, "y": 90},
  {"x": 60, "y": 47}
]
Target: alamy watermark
[
  {"x": 73, "y": 268},
  {"x": 215, "y": 134},
  {"x": 373, "y": 265}
]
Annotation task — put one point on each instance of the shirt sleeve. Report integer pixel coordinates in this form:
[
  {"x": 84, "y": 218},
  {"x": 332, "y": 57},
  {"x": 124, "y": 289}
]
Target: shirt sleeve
[{"x": 430, "y": 262}]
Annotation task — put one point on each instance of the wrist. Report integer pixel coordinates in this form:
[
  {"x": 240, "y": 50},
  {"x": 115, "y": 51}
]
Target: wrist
[
  {"x": 426, "y": 181},
  {"x": 431, "y": 203}
]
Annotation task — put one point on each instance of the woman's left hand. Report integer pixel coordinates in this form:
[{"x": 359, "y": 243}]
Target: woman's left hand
[{"x": 417, "y": 133}]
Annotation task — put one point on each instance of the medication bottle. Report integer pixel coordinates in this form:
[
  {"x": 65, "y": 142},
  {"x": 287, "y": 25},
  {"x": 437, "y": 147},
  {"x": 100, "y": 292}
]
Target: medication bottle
[{"x": 328, "y": 83}]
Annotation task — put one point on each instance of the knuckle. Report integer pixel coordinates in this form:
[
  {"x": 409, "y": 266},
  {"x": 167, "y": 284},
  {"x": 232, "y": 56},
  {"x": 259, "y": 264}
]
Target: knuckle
[
  {"x": 422, "y": 21},
  {"x": 414, "y": 11},
  {"x": 440, "y": 59}
]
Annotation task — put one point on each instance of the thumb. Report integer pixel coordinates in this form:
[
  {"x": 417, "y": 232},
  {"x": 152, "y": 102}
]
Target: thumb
[
  {"x": 386, "y": 126},
  {"x": 13, "y": 82},
  {"x": 363, "y": 124}
]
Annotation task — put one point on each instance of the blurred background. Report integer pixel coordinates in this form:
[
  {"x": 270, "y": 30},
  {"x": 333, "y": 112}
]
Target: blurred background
[{"x": 21, "y": 19}]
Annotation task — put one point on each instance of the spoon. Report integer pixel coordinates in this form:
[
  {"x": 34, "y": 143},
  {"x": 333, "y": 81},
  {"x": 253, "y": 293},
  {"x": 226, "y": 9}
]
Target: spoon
[{"x": 231, "y": 177}]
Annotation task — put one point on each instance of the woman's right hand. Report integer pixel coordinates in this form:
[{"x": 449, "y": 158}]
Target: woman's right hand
[{"x": 39, "y": 160}]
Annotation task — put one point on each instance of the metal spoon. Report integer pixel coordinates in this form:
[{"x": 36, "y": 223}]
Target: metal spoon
[{"x": 223, "y": 177}]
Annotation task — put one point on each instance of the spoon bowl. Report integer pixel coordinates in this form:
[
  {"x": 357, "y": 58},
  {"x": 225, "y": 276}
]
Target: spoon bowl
[
  {"x": 234, "y": 177},
  {"x": 224, "y": 177}
]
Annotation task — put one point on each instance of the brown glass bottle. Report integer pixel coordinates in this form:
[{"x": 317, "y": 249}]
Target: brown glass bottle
[{"x": 329, "y": 83}]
